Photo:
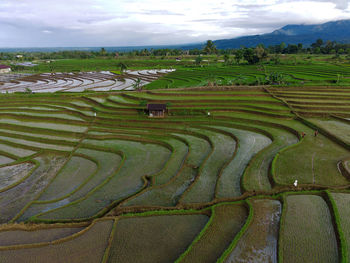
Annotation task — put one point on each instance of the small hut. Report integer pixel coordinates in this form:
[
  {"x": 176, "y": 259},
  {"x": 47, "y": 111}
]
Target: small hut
[
  {"x": 5, "y": 69},
  {"x": 156, "y": 110}
]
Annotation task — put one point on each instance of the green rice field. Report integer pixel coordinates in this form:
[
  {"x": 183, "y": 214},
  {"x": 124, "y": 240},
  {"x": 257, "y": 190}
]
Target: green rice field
[{"x": 236, "y": 170}]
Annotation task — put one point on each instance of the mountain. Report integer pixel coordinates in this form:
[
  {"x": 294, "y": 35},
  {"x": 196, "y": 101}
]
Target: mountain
[
  {"x": 293, "y": 34},
  {"x": 107, "y": 48}
]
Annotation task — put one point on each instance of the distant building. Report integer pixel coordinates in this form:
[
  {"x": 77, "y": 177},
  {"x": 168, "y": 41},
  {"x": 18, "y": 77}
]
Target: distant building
[
  {"x": 5, "y": 69},
  {"x": 156, "y": 110},
  {"x": 19, "y": 56}
]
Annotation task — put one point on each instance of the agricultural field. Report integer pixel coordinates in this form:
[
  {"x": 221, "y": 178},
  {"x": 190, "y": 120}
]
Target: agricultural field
[
  {"x": 82, "y": 82},
  {"x": 238, "y": 170}
]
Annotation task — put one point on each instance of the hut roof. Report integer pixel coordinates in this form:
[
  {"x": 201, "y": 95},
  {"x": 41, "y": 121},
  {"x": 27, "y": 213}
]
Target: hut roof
[
  {"x": 4, "y": 66},
  {"x": 156, "y": 107}
]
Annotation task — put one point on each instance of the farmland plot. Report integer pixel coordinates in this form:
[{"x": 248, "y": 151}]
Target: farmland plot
[
  {"x": 77, "y": 171},
  {"x": 94, "y": 81},
  {"x": 303, "y": 211},
  {"x": 342, "y": 206},
  {"x": 227, "y": 220},
  {"x": 202, "y": 183},
  {"x": 169, "y": 193},
  {"x": 259, "y": 242},
  {"x": 5, "y": 160},
  {"x": 249, "y": 144},
  {"x": 88, "y": 246},
  {"x": 336, "y": 127},
  {"x": 173, "y": 235},
  {"x": 203, "y": 188},
  {"x": 39, "y": 235},
  {"x": 11, "y": 174},
  {"x": 120, "y": 184},
  {"x": 18, "y": 197},
  {"x": 316, "y": 159}
]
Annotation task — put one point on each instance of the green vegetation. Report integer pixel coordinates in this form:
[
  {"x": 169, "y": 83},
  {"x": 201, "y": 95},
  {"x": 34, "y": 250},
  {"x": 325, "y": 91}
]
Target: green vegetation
[
  {"x": 250, "y": 166},
  {"x": 85, "y": 246},
  {"x": 341, "y": 214},
  {"x": 173, "y": 235},
  {"x": 259, "y": 242},
  {"x": 225, "y": 222},
  {"x": 300, "y": 227}
]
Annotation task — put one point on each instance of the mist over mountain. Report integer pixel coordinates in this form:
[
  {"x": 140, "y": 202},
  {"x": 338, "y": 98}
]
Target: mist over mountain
[{"x": 338, "y": 31}]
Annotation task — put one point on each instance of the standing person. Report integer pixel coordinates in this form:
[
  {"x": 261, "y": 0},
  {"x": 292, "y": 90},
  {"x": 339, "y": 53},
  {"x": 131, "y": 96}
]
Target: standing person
[
  {"x": 303, "y": 134},
  {"x": 316, "y": 133}
]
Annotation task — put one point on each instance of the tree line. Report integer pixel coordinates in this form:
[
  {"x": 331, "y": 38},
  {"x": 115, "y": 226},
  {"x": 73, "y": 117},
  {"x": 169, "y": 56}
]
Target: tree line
[{"x": 251, "y": 55}]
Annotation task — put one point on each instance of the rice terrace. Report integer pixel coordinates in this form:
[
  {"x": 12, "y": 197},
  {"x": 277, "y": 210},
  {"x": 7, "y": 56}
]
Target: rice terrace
[{"x": 237, "y": 168}]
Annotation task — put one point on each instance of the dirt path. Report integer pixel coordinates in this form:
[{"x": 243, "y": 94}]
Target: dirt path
[{"x": 313, "y": 170}]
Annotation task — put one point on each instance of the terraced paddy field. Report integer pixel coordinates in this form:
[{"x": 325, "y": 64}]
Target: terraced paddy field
[
  {"x": 90, "y": 177},
  {"x": 79, "y": 82},
  {"x": 320, "y": 74}
]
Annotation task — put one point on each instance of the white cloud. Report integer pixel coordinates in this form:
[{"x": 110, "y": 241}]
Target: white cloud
[{"x": 143, "y": 22}]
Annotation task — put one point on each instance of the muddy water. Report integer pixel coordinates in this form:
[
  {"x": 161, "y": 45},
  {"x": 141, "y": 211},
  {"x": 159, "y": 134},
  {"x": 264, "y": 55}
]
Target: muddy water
[
  {"x": 259, "y": 243},
  {"x": 5, "y": 160},
  {"x": 14, "y": 199},
  {"x": 14, "y": 173},
  {"x": 99, "y": 81},
  {"x": 249, "y": 144}
]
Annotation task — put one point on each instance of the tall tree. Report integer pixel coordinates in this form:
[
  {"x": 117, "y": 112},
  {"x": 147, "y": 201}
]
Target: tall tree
[
  {"x": 261, "y": 52},
  {"x": 122, "y": 67},
  {"x": 103, "y": 51},
  {"x": 198, "y": 60},
  {"x": 238, "y": 55},
  {"x": 210, "y": 48},
  {"x": 226, "y": 59}
]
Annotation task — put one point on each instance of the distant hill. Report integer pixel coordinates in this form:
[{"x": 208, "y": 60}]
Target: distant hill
[{"x": 293, "y": 34}]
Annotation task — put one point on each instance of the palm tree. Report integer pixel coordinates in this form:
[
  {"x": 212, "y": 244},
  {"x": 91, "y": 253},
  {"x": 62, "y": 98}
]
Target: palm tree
[
  {"x": 198, "y": 60},
  {"x": 210, "y": 48},
  {"x": 123, "y": 67},
  {"x": 137, "y": 84}
]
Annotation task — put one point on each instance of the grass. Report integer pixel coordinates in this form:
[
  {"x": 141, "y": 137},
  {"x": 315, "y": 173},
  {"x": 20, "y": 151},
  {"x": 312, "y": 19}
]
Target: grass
[
  {"x": 317, "y": 159},
  {"x": 249, "y": 75}
]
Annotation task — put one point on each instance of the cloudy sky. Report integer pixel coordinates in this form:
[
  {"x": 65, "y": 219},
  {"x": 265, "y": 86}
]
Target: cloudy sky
[{"x": 53, "y": 23}]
